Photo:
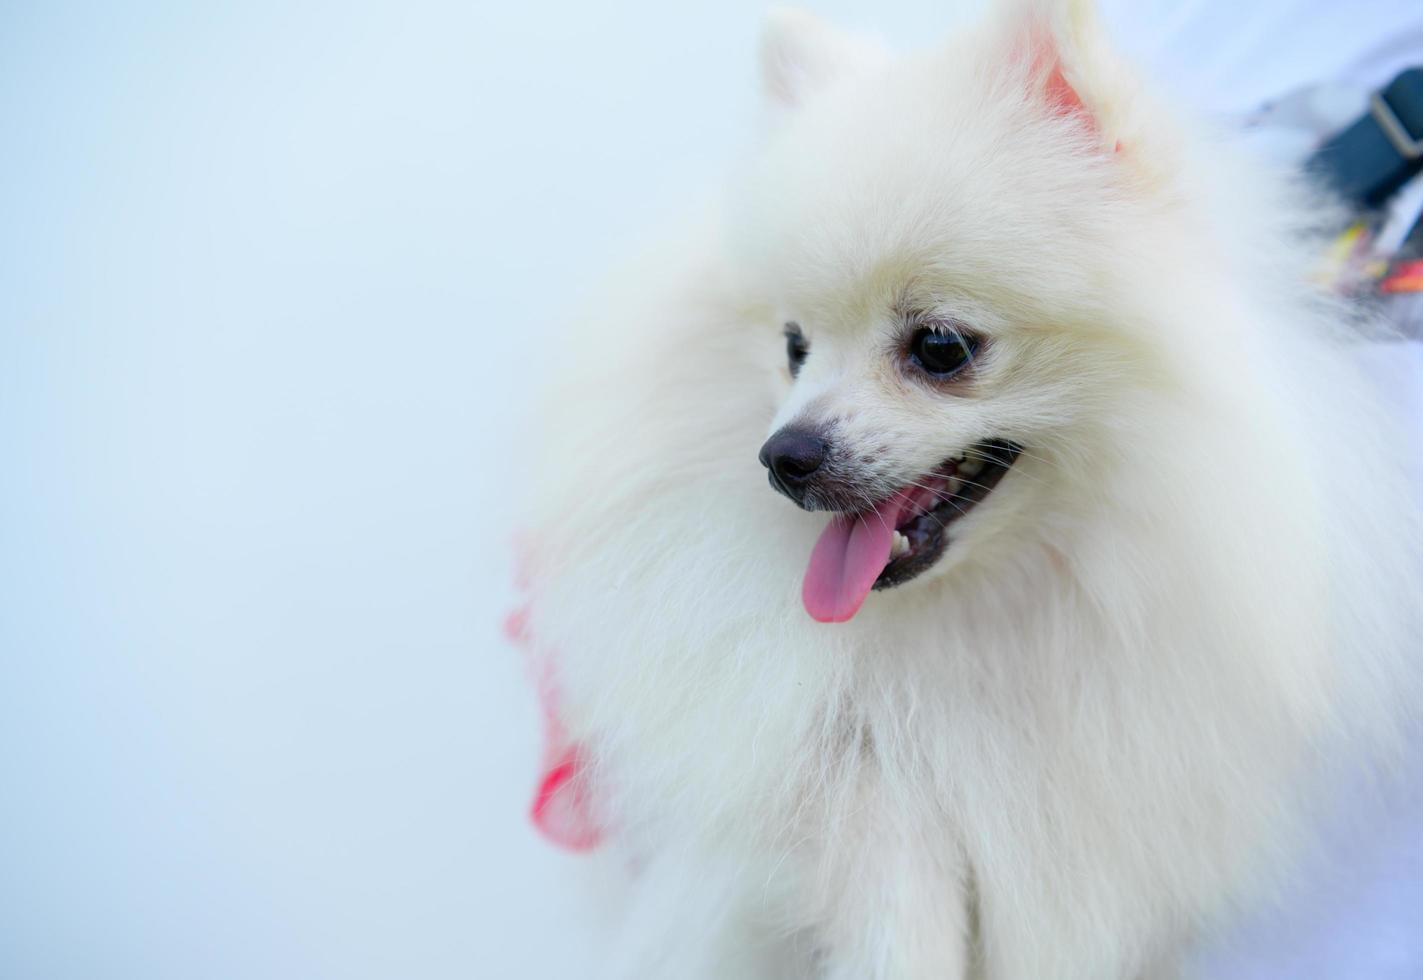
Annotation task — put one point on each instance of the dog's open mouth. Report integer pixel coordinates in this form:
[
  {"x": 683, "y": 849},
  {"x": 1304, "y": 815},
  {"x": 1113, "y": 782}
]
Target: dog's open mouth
[{"x": 900, "y": 537}]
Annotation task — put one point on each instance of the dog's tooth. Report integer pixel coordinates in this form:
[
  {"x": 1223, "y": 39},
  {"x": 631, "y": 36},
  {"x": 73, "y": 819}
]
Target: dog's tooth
[{"x": 900, "y": 545}]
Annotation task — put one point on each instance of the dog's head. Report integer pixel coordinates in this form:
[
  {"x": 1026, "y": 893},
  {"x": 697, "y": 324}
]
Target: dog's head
[{"x": 937, "y": 239}]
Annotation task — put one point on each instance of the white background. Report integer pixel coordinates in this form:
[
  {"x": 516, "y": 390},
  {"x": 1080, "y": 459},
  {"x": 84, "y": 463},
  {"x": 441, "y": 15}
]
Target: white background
[{"x": 275, "y": 281}]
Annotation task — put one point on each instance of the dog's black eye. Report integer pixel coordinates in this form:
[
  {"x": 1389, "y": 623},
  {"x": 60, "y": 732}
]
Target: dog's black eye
[
  {"x": 942, "y": 353},
  {"x": 796, "y": 348}
]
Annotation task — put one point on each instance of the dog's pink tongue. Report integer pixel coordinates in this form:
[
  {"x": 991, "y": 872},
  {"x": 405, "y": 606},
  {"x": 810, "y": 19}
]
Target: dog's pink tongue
[{"x": 847, "y": 559}]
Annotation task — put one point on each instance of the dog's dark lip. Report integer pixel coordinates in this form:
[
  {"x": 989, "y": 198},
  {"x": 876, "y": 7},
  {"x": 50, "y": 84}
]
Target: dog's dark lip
[{"x": 928, "y": 532}]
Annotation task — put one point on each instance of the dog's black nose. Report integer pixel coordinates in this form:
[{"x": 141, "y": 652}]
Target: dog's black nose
[{"x": 793, "y": 456}]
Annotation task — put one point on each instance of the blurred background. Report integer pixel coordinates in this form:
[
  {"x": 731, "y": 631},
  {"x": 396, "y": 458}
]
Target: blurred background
[{"x": 276, "y": 284}]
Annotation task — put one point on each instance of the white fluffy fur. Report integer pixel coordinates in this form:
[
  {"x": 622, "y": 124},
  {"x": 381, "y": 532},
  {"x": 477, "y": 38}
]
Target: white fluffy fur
[{"x": 1105, "y": 721}]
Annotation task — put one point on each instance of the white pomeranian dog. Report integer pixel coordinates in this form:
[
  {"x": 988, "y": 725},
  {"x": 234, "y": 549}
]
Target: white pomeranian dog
[{"x": 1087, "y": 564}]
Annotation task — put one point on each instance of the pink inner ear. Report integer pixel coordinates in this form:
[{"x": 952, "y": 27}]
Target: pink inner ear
[
  {"x": 1046, "y": 63},
  {"x": 1061, "y": 97}
]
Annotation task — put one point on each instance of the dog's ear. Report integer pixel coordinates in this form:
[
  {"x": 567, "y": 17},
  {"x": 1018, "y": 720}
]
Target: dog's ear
[
  {"x": 1058, "y": 50},
  {"x": 802, "y": 55}
]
